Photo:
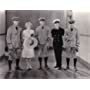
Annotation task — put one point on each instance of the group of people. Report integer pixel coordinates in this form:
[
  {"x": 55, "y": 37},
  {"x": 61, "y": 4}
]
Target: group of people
[{"x": 22, "y": 43}]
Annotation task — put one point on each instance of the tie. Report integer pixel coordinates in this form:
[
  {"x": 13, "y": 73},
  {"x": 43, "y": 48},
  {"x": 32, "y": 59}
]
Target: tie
[
  {"x": 42, "y": 27},
  {"x": 71, "y": 29},
  {"x": 16, "y": 28}
]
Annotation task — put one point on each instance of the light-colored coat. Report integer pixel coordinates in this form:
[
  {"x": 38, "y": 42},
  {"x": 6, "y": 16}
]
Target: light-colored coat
[
  {"x": 13, "y": 37},
  {"x": 71, "y": 42},
  {"x": 43, "y": 36},
  {"x": 14, "y": 42}
]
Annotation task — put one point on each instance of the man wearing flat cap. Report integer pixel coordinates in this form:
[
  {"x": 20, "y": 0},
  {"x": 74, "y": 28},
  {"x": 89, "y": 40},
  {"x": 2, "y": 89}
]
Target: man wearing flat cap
[
  {"x": 14, "y": 42},
  {"x": 43, "y": 36},
  {"x": 57, "y": 34},
  {"x": 71, "y": 44}
]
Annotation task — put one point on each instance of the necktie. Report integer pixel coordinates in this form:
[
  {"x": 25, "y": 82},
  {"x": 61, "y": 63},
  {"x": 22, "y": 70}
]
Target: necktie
[
  {"x": 16, "y": 28},
  {"x": 71, "y": 29},
  {"x": 42, "y": 27}
]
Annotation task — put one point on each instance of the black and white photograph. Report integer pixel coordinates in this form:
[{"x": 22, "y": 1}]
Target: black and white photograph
[{"x": 44, "y": 44}]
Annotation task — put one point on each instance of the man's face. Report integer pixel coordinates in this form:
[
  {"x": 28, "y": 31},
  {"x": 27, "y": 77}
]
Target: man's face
[
  {"x": 15, "y": 23},
  {"x": 71, "y": 25},
  {"x": 42, "y": 23},
  {"x": 57, "y": 25}
]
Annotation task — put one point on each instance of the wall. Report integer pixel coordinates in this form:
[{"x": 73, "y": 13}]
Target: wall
[
  {"x": 34, "y": 15},
  {"x": 2, "y": 32},
  {"x": 83, "y": 24}
]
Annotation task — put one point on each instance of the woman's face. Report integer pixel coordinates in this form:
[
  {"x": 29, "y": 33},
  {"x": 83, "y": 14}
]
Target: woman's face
[
  {"x": 28, "y": 25},
  {"x": 57, "y": 25}
]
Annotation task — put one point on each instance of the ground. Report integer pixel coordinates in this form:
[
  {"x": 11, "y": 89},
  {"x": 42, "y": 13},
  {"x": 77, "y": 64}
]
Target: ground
[{"x": 52, "y": 73}]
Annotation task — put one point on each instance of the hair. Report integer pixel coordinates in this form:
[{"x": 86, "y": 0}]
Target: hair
[{"x": 28, "y": 23}]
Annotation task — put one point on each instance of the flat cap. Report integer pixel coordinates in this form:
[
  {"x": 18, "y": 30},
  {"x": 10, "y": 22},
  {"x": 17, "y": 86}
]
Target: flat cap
[
  {"x": 15, "y": 18},
  {"x": 56, "y": 21},
  {"x": 71, "y": 21},
  {"x": 41, "y": 19}
]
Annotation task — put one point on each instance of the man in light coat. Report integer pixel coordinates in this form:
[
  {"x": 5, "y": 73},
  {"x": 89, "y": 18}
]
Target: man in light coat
[
  {"x": 71, "y": 44},
  {"x": 43, "y": 36},
  {"x": 14, "y": 43}
]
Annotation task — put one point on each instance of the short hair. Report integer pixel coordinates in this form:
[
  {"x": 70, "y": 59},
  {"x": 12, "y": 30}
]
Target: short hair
[{"x": 28, "y": 23}]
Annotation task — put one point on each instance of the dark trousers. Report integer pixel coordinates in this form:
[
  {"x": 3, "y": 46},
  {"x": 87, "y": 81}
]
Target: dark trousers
[{"x": 58, "y": 54}]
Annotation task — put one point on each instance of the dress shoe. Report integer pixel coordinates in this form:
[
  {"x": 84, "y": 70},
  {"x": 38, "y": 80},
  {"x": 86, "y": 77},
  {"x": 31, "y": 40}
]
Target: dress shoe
[
  {"x": 59, "y": 68},
  {"x": 18, "y": 68},
  {"x": 56, "y": 67}
]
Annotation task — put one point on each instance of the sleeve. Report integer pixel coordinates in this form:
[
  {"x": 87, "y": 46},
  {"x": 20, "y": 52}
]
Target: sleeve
[
  {"x": 52, "y": 34},
  {"x": 63, "y": 32},
  {"x": 65, "y": 38},
  {"x": 23, "y": 35},
  {"x": 33, "y": 33},
  {"x": 77, "y": 39},
  {"x": 49, "y": 33},
  {"x": 49, "y": 39},
  {"x": 36, "y": 32},
  {"x": 8, "y": 36}
]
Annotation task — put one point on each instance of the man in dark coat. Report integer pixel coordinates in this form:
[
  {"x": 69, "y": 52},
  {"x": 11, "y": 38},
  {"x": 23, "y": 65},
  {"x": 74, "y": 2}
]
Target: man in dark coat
[{"x": 57, "y": 34}]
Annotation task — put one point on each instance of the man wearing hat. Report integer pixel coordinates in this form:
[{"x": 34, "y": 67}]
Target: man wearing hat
[
  {"x": 57, "y": 34},
  {"x": 43, "y": 36},
  {"x": 14, "y": 42},
  {"x": 71, "y": 44}
]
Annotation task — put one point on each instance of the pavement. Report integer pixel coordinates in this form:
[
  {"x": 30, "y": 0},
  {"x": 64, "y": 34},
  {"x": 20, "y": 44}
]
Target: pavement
[{"x": 52, "y": 73}]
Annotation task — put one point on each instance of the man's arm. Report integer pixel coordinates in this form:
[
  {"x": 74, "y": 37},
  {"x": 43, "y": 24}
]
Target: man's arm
[
  {"x": 49, "y": 34},
  {"x": 8, "y": 38},
  {"x": 36, "y": 34},
  {"x": 63, "y": 32},
  {"x": 77, "y": 39},
  {"x": 52, "y": 34}
]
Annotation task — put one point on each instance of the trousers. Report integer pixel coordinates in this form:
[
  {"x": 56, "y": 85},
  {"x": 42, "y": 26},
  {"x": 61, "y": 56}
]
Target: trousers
[{"x": 58, "y": 54}]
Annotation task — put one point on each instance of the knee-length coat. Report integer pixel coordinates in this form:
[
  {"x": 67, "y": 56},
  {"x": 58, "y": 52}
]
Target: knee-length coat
[
  {"x": 71, "y": 42},
  {"x": 14, "y": 41}
]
